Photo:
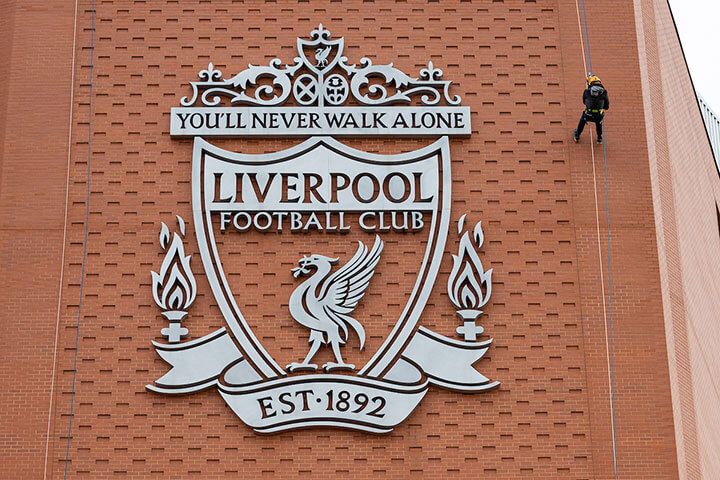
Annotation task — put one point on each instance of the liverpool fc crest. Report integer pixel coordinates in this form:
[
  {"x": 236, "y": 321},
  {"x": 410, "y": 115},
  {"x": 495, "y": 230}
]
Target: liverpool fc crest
[{"x": 338, "y": 340}]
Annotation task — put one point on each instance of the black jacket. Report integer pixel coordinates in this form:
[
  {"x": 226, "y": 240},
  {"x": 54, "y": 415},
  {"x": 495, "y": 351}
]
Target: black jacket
[{"x": 596, "y": 102}]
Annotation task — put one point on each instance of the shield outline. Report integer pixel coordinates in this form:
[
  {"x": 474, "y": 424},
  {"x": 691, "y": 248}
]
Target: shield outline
[
  {"x": 390, "y": 350},
  {"x": 302, "y": 43}
]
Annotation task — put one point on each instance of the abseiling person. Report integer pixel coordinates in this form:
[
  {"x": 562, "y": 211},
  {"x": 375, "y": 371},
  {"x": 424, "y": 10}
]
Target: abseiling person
[{"x": 596, "y": 100}]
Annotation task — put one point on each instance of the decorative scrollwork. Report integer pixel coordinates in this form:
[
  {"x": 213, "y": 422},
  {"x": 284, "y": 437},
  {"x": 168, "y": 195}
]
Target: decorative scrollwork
[
  {"x": 248, "y": 87},
  {"x": 320, "y": 33},
  {"x": 405, "y": 87},
  {"x": 236, "y": 88}
]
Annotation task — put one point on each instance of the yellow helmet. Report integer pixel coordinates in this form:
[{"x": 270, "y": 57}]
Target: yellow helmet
[{"x": 592, "y": 79}]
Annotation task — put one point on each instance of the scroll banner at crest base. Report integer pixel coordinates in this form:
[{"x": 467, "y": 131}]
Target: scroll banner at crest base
[{"x": 374, "y": 405}]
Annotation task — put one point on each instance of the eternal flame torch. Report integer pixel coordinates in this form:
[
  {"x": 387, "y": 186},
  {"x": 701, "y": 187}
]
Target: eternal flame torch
[
  {"x": 174, "y": 288},
  {"x": 469, "y": 285}
]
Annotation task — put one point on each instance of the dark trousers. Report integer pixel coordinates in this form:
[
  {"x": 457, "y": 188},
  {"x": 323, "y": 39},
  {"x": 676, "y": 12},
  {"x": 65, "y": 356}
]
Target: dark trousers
[{"x": 591, "y": 117}]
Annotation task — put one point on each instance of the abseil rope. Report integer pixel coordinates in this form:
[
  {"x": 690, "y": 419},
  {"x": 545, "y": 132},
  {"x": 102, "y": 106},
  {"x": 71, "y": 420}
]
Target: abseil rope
[
  {"x": 85, "y": 240},
  {"x": 607, "y": 309}
]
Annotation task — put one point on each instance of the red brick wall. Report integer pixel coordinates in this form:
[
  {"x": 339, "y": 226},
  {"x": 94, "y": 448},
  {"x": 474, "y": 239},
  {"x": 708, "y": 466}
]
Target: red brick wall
[
  {"x": 35, "y": 63},
  {"x": 518, "y": 65},
  {"x": 686, "y": 190},
  {"x": 645, "y": 446}
]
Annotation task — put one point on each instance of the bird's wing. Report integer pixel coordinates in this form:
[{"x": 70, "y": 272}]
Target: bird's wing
[
  {"x": 344, "y": 289},
  {"x": 324, "y": 54}
]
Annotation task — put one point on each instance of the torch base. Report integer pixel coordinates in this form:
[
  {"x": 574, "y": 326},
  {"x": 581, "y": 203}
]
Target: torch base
[
  {"x": 469, "y": 330},
  {"x": 174, "y": 331}
]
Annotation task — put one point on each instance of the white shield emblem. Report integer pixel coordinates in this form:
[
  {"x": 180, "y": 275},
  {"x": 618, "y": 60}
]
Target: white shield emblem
[{"x": 322, "y": 156}]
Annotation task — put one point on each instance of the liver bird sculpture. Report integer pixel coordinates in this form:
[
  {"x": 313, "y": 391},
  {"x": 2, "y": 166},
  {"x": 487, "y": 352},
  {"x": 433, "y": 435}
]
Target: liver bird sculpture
[
  {"x": 323, "y": 302},
  {"x": 321, "y": 56}
]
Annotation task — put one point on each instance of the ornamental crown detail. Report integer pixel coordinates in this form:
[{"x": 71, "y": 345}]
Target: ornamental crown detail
[{"x": 321, "y": 76}]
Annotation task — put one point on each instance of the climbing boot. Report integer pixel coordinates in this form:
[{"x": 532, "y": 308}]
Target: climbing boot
[
  {"x": 576, "y": 137},
  {"x": 599, "y": 141}
]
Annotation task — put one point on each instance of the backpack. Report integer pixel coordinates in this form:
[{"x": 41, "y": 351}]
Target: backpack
[
  {"x": 596, "y": 99},
  {"x": 596, "y": 90}
]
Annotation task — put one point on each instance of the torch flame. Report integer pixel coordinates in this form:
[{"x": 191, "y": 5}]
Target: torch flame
[
  {"x": 174, "y": 288},
  {"x": 469, "y": 285},
  {"x": 164, "y": 235}
]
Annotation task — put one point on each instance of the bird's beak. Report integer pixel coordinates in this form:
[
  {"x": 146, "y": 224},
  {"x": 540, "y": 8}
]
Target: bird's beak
[{"x": 299, "y": 271}]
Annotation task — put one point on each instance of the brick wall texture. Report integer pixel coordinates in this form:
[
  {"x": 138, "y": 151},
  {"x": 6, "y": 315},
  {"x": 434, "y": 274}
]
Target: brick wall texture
[{"x": 88, "y": 171}]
